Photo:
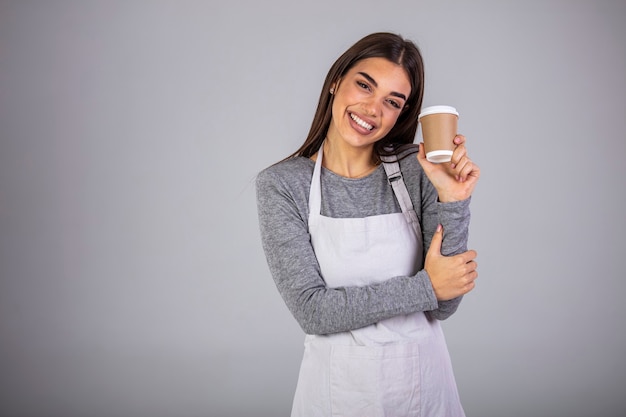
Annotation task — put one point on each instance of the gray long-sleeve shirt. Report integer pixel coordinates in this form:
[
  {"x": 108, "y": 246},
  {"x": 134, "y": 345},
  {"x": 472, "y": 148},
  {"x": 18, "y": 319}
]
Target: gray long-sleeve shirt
[{"x": 283, "y": 209}]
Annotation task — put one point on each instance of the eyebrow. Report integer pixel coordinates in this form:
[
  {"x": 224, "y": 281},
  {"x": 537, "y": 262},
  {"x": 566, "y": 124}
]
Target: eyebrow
[{"x": 373, "y": 81}]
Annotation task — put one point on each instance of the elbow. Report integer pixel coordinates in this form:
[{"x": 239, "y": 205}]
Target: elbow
[
  {"x": 312, "y": 325},
  {"x": 446, "y": 309},
  {"x": 439, "y": 314},
  {"x": 305, "y": 324},
  {"x": 310, "y": 329},
  {"x": 311, "y": 322},
  {"x": 311, "y": 315}
]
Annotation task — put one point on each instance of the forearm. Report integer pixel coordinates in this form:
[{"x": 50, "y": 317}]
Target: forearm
[
  {"x": 455, "y": 224},
  {"x": 320, "y": 309},
  {"x": 454, "y": 218},
  {"x": 296, "y": 272},
  {"x": 323, "y": 310}
]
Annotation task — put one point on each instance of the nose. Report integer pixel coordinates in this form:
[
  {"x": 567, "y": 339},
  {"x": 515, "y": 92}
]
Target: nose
[{"x": 372, "y": 107}]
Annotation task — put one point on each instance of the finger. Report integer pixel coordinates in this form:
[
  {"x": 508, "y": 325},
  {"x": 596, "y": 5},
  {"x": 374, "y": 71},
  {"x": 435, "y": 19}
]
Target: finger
[
  {"x": 421, "y": 158},
  {"x": 472, "y": 277},
  {"x": 470, "y": 267},
  {"x": 469, "y": 171},
  {"x": 466, "y": 170},
  {"x": 435, "y": 243},
  {"x": 459, "y": 152},
  {"x": 463, "y": 169},
  {"x": 469, "y": 286},
  {"x": 475, "y": 174},
  {"x": 459, "y": 139},
  {"x": 421, "y": 154},
  {"x": 468, "y": 256}
]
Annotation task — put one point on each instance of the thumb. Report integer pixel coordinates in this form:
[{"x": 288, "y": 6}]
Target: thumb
[
  {"x": 435, "y": 243},
  {"x": 421, "y": 158},
  {"x": 421, "y": 154}
]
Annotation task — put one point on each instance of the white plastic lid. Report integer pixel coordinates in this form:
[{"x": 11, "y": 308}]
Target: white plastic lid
[
  {"x": 437, "y": 109},
  {"x": 438, "y": 157}
]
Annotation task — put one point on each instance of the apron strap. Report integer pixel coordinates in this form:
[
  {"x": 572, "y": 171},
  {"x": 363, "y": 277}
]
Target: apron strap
[{"x": 394, "y": 176}]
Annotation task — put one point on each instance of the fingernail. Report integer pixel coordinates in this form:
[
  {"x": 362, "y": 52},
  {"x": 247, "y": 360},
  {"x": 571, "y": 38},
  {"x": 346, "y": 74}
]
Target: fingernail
[{"x": 439, "y": 227}]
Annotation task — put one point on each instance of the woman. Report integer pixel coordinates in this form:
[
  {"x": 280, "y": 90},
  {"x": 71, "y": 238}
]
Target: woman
[{"x": 353, "y": 226}]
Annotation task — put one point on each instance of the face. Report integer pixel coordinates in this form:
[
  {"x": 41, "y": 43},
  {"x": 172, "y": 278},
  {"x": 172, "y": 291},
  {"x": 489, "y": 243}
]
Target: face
[{"x": 368, "y": 101}]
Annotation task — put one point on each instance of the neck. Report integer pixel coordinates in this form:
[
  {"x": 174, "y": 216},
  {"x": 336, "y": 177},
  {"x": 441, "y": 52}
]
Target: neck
[{"x": 349, "y": 162}]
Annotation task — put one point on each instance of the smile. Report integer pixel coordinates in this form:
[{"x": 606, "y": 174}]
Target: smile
[{"x": 361, "y": 122}]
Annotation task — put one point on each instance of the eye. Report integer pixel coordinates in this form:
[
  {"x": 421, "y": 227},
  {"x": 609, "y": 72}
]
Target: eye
[
  {"x": 394, "y": 104},
  {"x": 363, "y": 85}
]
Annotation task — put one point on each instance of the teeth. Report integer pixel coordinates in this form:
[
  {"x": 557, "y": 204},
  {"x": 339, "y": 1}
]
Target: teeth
[{"x": 361, "y": 122}]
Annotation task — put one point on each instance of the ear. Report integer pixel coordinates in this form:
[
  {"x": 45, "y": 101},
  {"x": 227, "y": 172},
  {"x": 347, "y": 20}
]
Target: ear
[{"x": 335, "y": 86}]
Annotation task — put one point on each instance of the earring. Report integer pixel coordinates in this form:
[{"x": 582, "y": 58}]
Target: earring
[{"x": 332, "y": 91}]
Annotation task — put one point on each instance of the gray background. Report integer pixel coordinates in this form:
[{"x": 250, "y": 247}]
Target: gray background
[{"x": 132, "y": 278}]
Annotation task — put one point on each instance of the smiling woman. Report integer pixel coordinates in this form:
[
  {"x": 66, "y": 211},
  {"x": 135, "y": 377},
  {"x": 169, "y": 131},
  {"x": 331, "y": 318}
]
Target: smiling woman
[
  {"x": 368, "y": 100},
  {"x": 352, "y": 227},
  {"x": 394, "y": 50}
]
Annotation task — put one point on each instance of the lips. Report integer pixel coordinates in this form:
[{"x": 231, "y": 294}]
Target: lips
[{"x": 361, "y": 122}]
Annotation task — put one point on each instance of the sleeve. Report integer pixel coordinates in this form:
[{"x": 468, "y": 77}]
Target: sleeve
[
  {"x": 294, "y": 267},
  {"x": 455, "y": 219}
]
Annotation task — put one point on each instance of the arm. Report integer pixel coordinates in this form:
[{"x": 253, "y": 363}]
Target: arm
[
  {"x": 455, "y": 218},
  {"x": 446, "y": 195},
  {"x": 283, "y": 222}
]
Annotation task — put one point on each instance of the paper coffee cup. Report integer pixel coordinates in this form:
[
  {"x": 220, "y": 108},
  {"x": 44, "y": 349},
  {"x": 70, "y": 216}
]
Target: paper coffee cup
[{"x": 439, "y": 128}]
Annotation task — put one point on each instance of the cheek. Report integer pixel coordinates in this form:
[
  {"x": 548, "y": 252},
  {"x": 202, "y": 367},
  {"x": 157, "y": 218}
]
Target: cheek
[
  {"x": 336, "y": 110},
  {"x": 392, "y": 119}
]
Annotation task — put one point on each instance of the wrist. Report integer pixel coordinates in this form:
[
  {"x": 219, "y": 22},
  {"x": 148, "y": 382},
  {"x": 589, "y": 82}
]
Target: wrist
[{"x": 450, "y": 198}]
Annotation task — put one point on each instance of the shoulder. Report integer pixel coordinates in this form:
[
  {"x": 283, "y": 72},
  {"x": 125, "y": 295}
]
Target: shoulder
[
  {"x": 412, "y": 171},
  {"x": 407, "y": 157},
  {"x": 282, "y": 190},
  {"x": 290, "y": 173},
  {"x": 399, "y": 152},
  {"x": 405, "y": 151}
]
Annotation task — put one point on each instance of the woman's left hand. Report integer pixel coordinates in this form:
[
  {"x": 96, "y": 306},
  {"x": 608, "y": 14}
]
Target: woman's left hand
[{"x": 454, "y": 180}]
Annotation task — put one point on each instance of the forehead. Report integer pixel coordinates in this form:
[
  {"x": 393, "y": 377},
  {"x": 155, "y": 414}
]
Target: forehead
[{"x": 387, "y": 74}]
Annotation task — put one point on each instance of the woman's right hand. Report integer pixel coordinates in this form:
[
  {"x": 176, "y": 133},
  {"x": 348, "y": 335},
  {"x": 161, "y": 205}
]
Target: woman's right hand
[
  {"x": 456, "y": 180},
  {"x": 450, "y": 276}
]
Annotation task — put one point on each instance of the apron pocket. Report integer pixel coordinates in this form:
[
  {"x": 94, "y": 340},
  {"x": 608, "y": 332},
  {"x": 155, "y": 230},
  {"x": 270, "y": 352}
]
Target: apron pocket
[{"x": 375, "y": 381}]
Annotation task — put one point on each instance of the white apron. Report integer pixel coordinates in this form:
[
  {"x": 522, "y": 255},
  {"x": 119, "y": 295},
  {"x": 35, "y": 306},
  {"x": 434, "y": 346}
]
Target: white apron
[{"x": 399, "y": 367}]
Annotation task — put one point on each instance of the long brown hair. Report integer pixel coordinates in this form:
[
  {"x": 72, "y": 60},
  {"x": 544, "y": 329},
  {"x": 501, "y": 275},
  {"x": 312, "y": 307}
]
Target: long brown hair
[{"x": 377, "y": 45}]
